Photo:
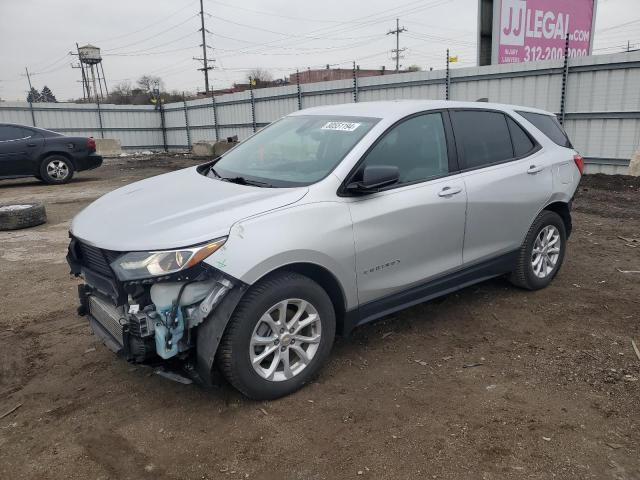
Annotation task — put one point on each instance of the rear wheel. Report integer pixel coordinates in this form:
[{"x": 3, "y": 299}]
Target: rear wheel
[
  {"x": 542, "y": 252},
  {"x": 278, "y": 338},
  {"x": 56, "y": 169}
]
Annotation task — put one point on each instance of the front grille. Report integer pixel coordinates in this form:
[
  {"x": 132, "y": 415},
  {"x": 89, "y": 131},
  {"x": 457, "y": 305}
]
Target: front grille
[
  {"x": 96, "y": 259},
  {"x": 108, "y": 316}
]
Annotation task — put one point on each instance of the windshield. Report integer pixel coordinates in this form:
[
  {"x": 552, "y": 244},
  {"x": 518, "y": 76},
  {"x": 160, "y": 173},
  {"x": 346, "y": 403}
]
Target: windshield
[{"x": 295, "y": 151}]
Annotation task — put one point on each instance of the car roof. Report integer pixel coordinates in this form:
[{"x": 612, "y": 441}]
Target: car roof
[
  {"x": 38, "y": 129},
  {"x": 400, "y": 108}
]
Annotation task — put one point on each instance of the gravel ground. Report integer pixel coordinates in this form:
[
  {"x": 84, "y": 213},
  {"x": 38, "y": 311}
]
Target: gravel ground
[{"x": 555, "y": 392}]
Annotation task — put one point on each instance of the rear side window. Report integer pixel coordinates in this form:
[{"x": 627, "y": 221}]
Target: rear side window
[
  {"x": 550, "y": 126},
  {"x": 13, "y": 133},
  {"x": 522, "y": 143},
  {"x": 482, "y": 136}
]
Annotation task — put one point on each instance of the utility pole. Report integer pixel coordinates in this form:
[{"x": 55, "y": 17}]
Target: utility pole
[
  {"x": 204, "y": 59},
  {"x": 397, "y": 50},
  {"x": 28, "y": 78}
]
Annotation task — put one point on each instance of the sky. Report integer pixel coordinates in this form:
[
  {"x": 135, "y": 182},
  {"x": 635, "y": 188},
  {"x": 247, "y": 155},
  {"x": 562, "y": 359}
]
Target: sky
[{"x": 161, "y": 38}]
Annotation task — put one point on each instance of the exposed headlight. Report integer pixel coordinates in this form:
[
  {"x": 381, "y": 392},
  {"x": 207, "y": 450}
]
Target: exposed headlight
[{"x": 137, "y": 265}]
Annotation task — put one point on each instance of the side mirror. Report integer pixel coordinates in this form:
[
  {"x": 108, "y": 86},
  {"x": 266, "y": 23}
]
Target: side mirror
[{"x": 375, "y": 177}]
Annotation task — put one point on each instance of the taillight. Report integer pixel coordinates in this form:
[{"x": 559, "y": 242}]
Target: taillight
[
  {"x": 91, "y": 144},
  {"x": 579, "y": 162}
]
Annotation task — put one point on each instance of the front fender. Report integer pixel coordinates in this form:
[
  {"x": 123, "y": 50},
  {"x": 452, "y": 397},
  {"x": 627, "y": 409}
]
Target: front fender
[{"x": 320, "y": 233}]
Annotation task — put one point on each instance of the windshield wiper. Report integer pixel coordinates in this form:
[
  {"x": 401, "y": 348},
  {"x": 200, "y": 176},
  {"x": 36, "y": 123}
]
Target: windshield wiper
[
  {"x": 246, "y": 181},
  {"x": 240, "y": 180}
]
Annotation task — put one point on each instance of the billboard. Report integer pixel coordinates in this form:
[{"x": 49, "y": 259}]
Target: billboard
[{"x": 534, "y": 30}]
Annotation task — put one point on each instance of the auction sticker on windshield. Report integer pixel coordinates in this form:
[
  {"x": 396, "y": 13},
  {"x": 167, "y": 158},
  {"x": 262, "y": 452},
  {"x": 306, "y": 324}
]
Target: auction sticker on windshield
[{"x": 341, "y": 126}]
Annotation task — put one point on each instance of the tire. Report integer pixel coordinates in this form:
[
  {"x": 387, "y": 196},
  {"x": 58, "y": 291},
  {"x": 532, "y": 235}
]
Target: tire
[
  {"x": 56, "y": 170},
  {"x": 23, "y": 215},
  {"x": 237, "y": 354},
  {"x": 534, "y": 275}
]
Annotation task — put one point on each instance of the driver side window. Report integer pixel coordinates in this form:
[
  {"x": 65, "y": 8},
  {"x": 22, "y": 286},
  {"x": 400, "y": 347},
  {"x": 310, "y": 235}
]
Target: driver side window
[{"x": 417, "y": 146}]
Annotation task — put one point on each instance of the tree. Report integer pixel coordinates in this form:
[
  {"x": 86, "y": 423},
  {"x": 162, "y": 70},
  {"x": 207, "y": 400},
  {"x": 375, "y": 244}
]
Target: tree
[
  {"x": 148, "y": 82},
  {"x": 260, "y": 77},
  {"x": 414, "y": 68},
  {"x": 120, "y": 94},
  {"x": 47, "y": 95},
  {"x": 34, "y": 96}
]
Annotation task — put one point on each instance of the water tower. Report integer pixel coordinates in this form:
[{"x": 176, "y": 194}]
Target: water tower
[{"x": 91, "y": 62}]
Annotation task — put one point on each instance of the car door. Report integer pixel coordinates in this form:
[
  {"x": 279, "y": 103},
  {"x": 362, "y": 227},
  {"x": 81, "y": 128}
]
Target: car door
[
  {"x": 17, "y": 145},
  {"x": 412, "y": 231},
  {"x": 507, "y": 179}
]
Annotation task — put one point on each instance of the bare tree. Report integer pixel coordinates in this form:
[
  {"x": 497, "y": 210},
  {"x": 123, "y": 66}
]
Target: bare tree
[
  {"x": 260, "y": 76},
  {"x": 148, "y": 82},
  {"x": 121, "y": 94},
  {"x": 414, "y": 68}
]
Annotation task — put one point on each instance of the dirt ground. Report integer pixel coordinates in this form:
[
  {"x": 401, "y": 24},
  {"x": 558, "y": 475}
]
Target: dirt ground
[{"x": 556, "y": 393}]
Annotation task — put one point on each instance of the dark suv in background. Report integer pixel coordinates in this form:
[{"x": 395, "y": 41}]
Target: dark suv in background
[{"x": 46, "y": 155}]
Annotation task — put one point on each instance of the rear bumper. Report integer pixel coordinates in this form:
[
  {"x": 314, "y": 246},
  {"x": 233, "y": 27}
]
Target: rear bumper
[{"x": 89, "y": 162}]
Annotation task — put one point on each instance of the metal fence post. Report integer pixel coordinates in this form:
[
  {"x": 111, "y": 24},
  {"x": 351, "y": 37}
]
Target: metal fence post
[
  {"x": 253, "y": 105},
  {"x": 447, "y": 79},
  {"x": 299, "y": 90},
  {"x": 355, "y": 83},
  {"x": 186, "y": 120},
  {"x": 163, "y": 125},
  {"x": 100, "y": 118},
  {"x": 33, "y": 115},
  {"x": 215, "y": 117},
  {"x": 565, "y": 78}
]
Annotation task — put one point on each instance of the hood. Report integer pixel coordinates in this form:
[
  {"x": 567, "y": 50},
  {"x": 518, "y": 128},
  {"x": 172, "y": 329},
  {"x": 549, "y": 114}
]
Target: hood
[{"x": 174, "y": 210}]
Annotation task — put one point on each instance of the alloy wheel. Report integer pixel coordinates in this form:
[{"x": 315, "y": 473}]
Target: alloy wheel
[
  {"x": 57, "y": 169},
  {"x": 285, "y": 340},
  {"x": 546, "y": 251}
]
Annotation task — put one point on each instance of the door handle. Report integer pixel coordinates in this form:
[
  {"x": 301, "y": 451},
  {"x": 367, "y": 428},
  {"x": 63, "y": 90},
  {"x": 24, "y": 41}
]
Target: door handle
[
  {"x": 31, "y": 144},
  {"x": 449, "y": 191},
  {"x": 534, "y": 169}
]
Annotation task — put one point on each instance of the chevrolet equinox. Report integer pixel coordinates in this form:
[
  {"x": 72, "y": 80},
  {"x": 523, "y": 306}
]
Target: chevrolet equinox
[{"x": 328, "y": 218}]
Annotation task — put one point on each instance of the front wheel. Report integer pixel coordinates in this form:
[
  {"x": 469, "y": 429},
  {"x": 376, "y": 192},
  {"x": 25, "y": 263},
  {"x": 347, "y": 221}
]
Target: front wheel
[
  {"x": 56, "y": 169},
  {"x": 278, "y": 338},
  {"x": 542, "y": 252}
]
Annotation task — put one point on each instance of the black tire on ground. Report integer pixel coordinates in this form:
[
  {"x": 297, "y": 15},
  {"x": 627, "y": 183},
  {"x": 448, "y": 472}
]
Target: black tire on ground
[
  {"x": 523, "y": 276},
  {"x": 233, "y": 357},
  {"x": 56, "y": 170},
  {"x": 23, "y": 215}
]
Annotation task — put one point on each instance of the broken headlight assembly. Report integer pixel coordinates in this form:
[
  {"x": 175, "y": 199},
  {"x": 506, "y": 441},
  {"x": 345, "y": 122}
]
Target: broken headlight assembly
[{"x": 139, "y": 265}]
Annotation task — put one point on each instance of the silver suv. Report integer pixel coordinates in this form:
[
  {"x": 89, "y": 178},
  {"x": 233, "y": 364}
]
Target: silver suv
[{"x": 327, "y": 219}]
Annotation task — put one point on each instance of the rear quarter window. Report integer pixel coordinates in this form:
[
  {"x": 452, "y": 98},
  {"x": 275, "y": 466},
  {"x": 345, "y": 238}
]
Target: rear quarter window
[
  {"x": 550, "y": 126},
  {"x": 522, "y": 144}
]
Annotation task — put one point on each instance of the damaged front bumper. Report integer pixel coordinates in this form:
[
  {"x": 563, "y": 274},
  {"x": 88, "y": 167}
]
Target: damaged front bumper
[{"x": 176, "y": 317}]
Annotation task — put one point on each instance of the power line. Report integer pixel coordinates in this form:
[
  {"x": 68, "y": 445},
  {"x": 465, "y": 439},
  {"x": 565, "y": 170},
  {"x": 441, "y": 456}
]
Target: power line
[
  {"x": 152, "y": 36},
  {"x": 615, "y": 27},
  {"x": 277, "y": 15},
  {"x": 154, "y": 24},
  {"x": 143, "y": 53},
  {"x": 360, "y": 22},
  {"x": 149, "y": 49}
]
